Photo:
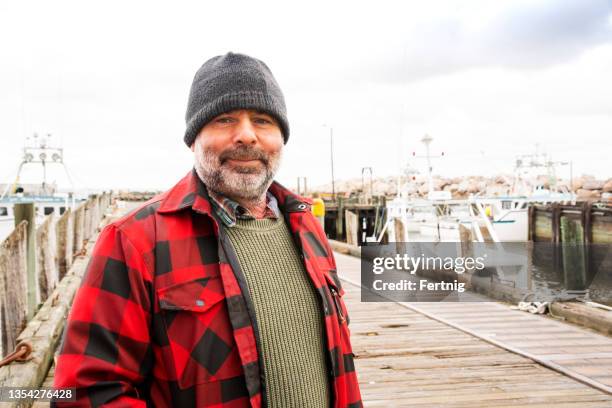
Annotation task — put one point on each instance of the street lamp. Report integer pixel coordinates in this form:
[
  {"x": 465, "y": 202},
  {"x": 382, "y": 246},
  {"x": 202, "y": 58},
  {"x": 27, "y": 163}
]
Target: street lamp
[{"x": 331, "y": 150}]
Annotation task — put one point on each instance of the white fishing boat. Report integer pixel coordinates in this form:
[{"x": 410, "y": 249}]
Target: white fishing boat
[
  {"x": 47, "y": 197},
  {"x": 438, "y": 218}
]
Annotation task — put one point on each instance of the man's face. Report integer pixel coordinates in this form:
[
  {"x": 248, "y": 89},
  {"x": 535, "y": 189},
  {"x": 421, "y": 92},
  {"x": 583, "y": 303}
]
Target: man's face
[{"x": 238, "y": 153}]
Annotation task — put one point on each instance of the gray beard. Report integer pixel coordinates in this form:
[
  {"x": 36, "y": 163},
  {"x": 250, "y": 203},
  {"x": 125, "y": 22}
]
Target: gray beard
[{"x": 238, "y": 183}]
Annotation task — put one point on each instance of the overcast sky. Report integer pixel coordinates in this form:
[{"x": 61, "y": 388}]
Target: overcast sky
[{"x": 488, "y": 80}]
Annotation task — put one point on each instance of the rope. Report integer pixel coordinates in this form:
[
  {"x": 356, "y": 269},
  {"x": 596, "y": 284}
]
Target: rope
[
  {"x": 532, "y": 307},
  {"x": 21, "y": 354}
]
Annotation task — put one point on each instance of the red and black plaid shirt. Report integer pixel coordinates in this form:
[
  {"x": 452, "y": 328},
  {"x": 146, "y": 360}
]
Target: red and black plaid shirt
[{"x": 163, "y": 317}]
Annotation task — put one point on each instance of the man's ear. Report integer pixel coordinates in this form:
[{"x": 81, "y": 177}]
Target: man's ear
[{"x": 193, "y": 146}]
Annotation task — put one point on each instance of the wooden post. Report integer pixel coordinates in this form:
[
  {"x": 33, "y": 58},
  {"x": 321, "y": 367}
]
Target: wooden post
[
  {"x": 13, "y": 287},
  {"x": 65, "y": 233},
  {"x": 79, "y": 225},
  {"x": 587, "y": 237},
  {"x": 351, "y": 227},
  {"x": 466, "y": 244},
  {"x": 556, "y": 236},
  {"x": 400, "y": 236},
  {"x": 556, "y": 225},
  {"x": 339, "y": 218},
  {"x": 531, "y": 221},
  {"x": 573, "y": 254},
  {"x": 529, "y": 248},
  {"x": 466, "y": 237},
  {"x": 87, "y": 219},
  {"x": 46, "y": 257},
  {"x": 26, "y": 212}
]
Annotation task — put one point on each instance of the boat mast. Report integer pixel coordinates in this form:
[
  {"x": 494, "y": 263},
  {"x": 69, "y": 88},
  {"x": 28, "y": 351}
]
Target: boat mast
[{"x": 426, "y": 140}]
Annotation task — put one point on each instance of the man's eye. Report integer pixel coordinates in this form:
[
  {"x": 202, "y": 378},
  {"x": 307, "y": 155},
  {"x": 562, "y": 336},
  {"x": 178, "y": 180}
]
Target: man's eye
[
  {"x": 223, "y": 120},
  {"x": 263, "y": 121}
]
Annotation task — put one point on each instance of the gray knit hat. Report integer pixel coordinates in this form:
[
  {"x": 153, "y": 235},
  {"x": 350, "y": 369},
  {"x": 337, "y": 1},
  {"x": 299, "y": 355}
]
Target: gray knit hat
[{"x": 233, "y": 81}]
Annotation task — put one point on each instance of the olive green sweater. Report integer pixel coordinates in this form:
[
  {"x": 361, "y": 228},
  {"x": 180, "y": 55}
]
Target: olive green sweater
[{"x": 288, "y": 313}]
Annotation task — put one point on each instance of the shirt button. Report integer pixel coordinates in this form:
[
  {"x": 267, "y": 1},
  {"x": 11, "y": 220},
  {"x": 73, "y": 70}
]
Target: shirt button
[{"x": 199, "y": 302}]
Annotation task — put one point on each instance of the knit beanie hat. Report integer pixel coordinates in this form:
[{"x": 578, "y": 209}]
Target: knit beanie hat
[{"x": 233, "y": 81}]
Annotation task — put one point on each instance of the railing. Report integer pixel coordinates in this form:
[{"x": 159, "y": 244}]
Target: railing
[{"x": 33, "y": 259}]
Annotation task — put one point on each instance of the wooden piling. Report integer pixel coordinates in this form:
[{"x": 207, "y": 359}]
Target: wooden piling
[
  {"x": 13, "y": 287},
  {"x": 556, "y": 236},
  {"x": 352, "y": 227},
  {"x": 65, "y": 235},
  {"x": 79, "y": 228},
  {"x": 400, "y": 236},
  {"x": 46, "y": 257},
  {"x": 587, "y": 237},
  {"x": 573, "y": 255},
  {"x": 340, "y": 219},
  {"x": 531, "y": 234},
  {"x": 26, "y": 212}
]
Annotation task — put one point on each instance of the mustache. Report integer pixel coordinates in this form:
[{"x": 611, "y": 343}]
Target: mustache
[{"x": 243, "y": 153}]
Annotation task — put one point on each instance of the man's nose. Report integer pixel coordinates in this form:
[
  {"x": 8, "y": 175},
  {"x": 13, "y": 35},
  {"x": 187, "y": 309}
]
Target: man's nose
[{"x": 245, "y": 132}]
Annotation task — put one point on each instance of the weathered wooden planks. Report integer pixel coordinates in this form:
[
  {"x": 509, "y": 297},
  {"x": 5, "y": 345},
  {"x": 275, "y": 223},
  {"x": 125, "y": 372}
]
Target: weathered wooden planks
[
  {"x": 13, "y": 287},
  {"x": 405, "y": 359}
]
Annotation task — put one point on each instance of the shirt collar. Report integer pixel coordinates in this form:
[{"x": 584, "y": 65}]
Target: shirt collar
[{"x": 229, "y": 210}]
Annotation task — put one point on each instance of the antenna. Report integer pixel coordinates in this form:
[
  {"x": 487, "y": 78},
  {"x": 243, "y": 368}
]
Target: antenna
[{"x": 426, "y": 140}]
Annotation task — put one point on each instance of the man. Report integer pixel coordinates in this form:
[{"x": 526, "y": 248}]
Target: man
[{"x": 222, "y": 291}]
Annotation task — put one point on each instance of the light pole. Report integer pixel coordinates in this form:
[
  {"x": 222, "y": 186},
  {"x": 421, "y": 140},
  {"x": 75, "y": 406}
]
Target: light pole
[{"x": 331, "y": 150}]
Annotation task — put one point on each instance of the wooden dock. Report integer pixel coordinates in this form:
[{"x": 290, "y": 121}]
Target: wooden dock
[
  {"x": 423, "y": 354},
  {"x": 468, "y": 354}
]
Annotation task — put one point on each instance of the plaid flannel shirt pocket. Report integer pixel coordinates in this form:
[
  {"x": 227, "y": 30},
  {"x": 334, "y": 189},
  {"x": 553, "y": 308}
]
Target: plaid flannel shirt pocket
[{"x": 198, "y": 332}]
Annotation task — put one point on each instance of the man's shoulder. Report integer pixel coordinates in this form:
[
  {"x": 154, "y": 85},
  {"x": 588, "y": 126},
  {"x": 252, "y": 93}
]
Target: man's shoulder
[
  {"x": 137, "y": 226},
  {"x": 141, "y": 213}
]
